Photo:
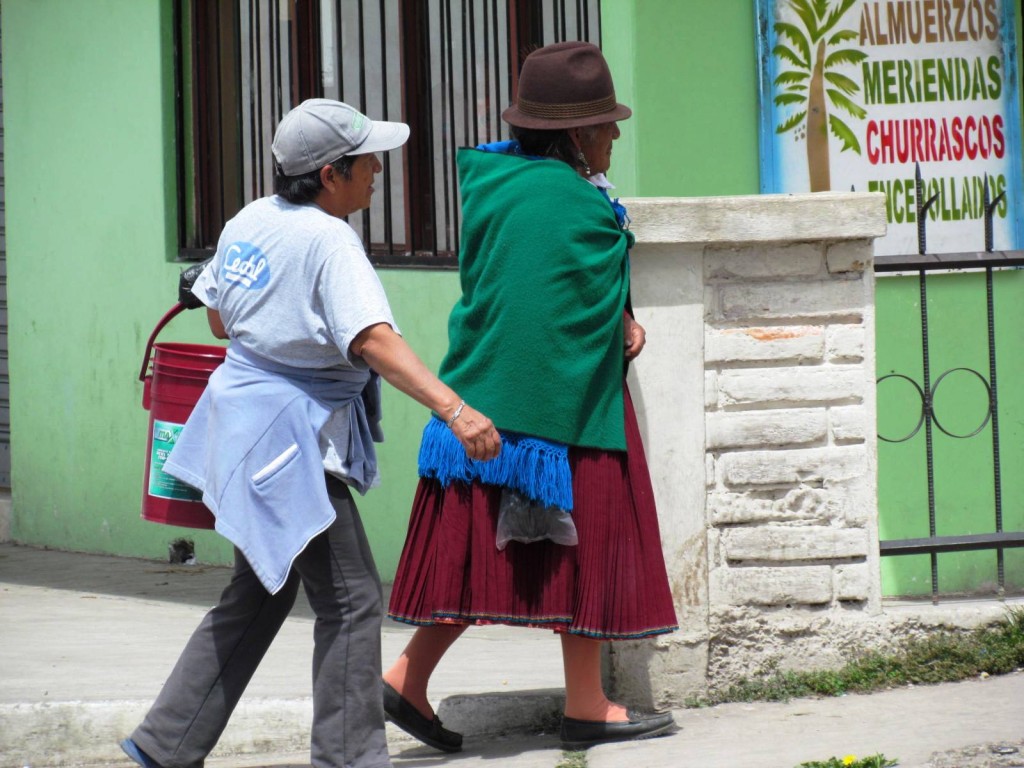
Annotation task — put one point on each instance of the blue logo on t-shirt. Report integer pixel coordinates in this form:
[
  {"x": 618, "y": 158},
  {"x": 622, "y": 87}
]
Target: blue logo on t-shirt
[{"x": 245, "y": 265}]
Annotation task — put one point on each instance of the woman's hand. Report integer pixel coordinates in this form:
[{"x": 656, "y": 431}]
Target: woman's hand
[
  {"x": 634, "y": 336},
  {"x": 477, "y": 434},
  {"x": 389, "y": 355}
]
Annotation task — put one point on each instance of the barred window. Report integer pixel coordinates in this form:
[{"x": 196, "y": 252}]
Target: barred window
[{"x": 448, "y": 68}]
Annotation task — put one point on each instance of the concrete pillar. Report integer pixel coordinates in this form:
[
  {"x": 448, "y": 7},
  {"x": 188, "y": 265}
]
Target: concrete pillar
[{"x": 756, "y": 397}]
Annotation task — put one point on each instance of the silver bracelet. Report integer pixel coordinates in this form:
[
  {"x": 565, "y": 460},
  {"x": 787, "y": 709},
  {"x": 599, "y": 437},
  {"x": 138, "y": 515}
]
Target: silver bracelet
[{"x": 458, "y": 410}]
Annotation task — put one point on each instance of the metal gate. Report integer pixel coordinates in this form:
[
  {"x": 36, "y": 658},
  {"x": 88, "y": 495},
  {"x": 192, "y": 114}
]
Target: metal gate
[{"x": 950, "y": 493}]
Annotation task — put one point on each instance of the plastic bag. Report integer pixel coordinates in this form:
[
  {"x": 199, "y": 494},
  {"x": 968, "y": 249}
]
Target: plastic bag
[
  {"x": 186, "y": 280},
  {"x": 523, "y": 519}
]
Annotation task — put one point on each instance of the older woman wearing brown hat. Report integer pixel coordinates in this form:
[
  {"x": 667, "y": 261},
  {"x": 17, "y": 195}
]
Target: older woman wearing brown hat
[{"x": 560, "y": 532}]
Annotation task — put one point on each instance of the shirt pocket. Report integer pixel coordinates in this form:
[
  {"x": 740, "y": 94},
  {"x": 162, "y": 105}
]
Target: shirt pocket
[{"x": 276, "y": 465}]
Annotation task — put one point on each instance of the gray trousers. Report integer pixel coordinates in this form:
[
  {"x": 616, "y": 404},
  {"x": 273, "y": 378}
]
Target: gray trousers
[{"x": 344, "y": 591}]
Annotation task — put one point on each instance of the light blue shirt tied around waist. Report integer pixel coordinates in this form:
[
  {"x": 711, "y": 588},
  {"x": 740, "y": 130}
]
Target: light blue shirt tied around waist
[
  {"x": 535, "y": 467},
  {"x": 252, "y": 447}
]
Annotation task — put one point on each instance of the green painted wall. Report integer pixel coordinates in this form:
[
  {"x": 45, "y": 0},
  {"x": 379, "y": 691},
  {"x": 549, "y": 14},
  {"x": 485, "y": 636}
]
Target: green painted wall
[
  {"x": 421, "y": 302},
  {"x": 91, "y": 214},
  {"x": 688, "y": 69},
  {"x": 89, "y": 139}
]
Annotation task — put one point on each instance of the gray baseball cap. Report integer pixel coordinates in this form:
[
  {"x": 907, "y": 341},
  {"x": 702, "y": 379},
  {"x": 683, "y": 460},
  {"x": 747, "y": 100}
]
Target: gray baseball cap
[{"x": 319, "y": 131}]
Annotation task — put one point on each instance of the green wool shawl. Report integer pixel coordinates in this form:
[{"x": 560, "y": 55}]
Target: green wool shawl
[{"x": 536, "y": 340}]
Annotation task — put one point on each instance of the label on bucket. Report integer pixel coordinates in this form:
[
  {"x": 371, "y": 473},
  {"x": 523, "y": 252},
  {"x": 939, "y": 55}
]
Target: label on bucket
[{"x": 165, "y": 435}]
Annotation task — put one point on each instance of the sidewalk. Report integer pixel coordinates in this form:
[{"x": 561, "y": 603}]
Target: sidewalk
[{"x": 86, "y": 641}]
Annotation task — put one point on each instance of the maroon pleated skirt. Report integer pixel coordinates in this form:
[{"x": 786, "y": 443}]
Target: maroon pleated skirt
[{"x": 611, "y": 585}]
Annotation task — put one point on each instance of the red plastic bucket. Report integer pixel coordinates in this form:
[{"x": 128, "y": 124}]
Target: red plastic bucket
[
  {"x": 194, "y": 357},
  {"x": 171, "y": 390}
]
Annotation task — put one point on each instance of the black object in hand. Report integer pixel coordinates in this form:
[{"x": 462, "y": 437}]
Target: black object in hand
[{"x": 186, "y": 281}]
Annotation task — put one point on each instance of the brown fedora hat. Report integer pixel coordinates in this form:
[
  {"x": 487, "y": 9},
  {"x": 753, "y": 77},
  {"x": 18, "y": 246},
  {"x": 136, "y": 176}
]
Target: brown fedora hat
[{"x": 565, "y": 85}]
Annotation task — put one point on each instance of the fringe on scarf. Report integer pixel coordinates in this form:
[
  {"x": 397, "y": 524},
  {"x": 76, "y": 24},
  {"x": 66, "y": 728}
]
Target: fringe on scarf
[{"x": 536, "y": 468}]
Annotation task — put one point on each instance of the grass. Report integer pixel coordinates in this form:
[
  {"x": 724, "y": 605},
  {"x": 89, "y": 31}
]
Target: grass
[
  {"x": 574, "y": 759},
  {"x": 579, "y": 760},
  {"x": 939, "y": 658},
  {"x": 850, "y": 761}
]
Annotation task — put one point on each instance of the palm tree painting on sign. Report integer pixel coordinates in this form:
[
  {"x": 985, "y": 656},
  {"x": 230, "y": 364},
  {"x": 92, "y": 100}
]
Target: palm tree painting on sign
[{"x": 815, "y": 52}]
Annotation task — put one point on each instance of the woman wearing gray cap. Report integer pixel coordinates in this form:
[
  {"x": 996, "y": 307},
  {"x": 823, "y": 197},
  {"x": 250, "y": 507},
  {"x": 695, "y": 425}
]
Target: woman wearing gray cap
[
  {"x": 560, "y": 532},
  {"x": 286, "y": 426}
]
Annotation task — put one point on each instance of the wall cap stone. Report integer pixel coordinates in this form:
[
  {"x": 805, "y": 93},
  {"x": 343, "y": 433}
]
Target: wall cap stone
[{"x": 777, "y": 218}]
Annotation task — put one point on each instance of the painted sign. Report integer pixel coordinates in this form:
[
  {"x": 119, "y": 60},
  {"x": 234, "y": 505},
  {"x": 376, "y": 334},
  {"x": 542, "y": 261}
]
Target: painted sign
[{"x": 864, "y": 94}]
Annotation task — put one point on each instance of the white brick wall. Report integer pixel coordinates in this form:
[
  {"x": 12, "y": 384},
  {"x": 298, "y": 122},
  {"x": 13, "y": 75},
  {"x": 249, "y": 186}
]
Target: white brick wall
[
  {"x": 766, "y": 429},
  {"x": 760, "y": 360},
  {"x": 851, "y": 256},
  {"x": 852, "y": 582},
  {"x": 752, "y": 262},
  {"x": 804, "y": 585},
  {"x": 816, "y": 300},
  {"x": 808, "y": 505},
  {"x": 783, "y": 545},
  {"x": 793, "y": 344},
  {"x": 814, "y": 467},
  {"x": 820, "y": 385},
  {"x": 788, "y": 421},
  {"x": 848, "y": 424},
  {"x": 845, "y": 344}
]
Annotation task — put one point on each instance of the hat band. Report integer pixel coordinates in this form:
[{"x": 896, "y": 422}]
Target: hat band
[{"x": 566, "y": 111}]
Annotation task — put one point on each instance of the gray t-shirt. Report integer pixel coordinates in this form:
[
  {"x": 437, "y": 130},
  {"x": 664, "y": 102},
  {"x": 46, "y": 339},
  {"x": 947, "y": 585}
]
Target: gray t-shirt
[{"x": 292, "y": 283}]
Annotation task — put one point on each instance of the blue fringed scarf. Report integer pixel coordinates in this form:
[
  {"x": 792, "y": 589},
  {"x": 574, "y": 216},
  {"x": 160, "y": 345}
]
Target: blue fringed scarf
[{"x": 536, "y": 468}]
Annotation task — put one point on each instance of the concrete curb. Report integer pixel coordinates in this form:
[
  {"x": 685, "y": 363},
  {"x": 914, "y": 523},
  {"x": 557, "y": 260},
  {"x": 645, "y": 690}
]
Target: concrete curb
[
  {"x": 86, "y": 733},
  {"x": 503, "y": 714}
]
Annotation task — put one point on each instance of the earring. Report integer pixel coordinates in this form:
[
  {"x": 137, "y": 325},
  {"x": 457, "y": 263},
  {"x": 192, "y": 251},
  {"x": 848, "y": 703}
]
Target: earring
[{"x": 582, "y": 160}]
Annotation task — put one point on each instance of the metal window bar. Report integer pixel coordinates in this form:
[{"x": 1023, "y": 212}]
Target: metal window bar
[
  {"x": 263, "y": 98},
  {"x": 184, "y": 211},
  {"x": 448, "y": 67},
  {"x": 935, "y": 544}
]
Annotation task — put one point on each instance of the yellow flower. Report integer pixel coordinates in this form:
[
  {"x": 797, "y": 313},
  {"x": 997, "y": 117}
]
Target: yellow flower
[{"x": 849, "y": 759}]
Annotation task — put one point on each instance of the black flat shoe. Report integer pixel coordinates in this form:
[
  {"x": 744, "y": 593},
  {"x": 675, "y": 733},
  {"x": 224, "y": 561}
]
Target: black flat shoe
[
  {"x": 580, "y": 734},
  {"x": 408, "y": 718}
]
